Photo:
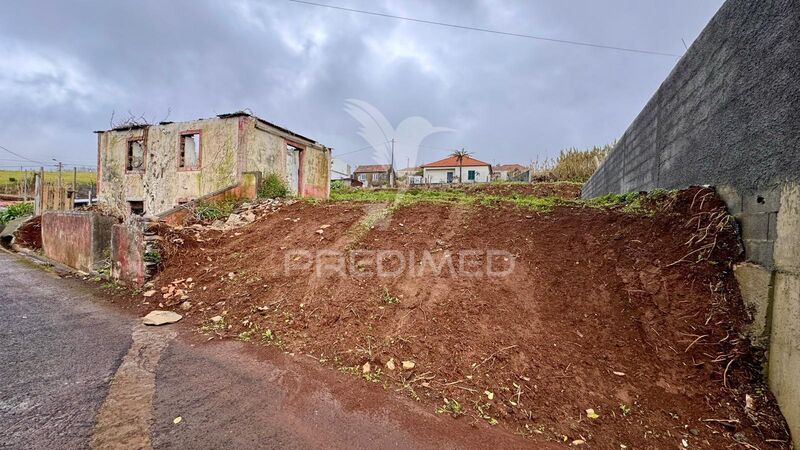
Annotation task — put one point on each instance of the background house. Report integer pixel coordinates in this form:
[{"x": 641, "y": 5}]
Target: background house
[
  {"x": 410, "y": 175},
  {"x": 449, "y": 169},
  {"x": 340, "y": 170},
  {"x": 149, "y": 169},
  {"x": 373, "y": 175},
  {"x": 507, "y": 172}
]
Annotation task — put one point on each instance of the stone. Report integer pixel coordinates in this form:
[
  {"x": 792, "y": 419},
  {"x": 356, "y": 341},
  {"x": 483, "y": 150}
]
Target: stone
[
  {"x": 408, "y": 365},
  {"x": 390, "y": 364},
  {"x": 186, "y": 306},
  {"x": 150, "y": 293},
  {"x": 161, "y": 318},
  {"x": 216, "y": 319},
  {"x": 366, "y": 368}
]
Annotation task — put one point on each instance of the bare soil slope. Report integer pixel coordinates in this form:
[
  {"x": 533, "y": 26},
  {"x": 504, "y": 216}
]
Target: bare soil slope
[{"x": 635, "y": 317}]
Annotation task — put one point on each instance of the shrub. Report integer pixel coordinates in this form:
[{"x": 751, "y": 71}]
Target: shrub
[
  {"x": 273, "y": 186},
  {"x": 14, "y": 211},
  {"x": 572, "y": 164}
]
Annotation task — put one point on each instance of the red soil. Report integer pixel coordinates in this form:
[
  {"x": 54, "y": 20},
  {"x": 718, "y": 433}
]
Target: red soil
[
  {"x": 603, "y": 310},
  {"x": 29, "y": 234}
]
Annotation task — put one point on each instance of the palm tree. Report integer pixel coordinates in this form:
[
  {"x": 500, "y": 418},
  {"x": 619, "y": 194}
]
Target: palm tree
[{"x": 459, "y": 155}]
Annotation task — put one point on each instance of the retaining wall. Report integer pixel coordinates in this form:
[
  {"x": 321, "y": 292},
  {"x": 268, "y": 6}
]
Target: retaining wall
[
  {"x": 728, "y": 115},
  {"x": 79, "y": 240}
]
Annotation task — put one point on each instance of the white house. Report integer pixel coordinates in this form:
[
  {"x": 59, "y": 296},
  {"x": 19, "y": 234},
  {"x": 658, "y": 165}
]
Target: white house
[
  {"x": 448, "y": 170},
  {"x": 505, "y": 172},
  {"x": 340, "y": 170}
]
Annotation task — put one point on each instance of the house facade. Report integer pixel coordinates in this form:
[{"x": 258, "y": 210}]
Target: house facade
[
  {"x": 507, "y": 172},
  {"x": 373, "y": 175},
  {"x": 451, "y": 170},
  {"x": 149, "y": 169}
]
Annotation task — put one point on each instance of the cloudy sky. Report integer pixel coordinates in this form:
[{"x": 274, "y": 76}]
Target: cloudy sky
[{"x": 65, "y": 67}]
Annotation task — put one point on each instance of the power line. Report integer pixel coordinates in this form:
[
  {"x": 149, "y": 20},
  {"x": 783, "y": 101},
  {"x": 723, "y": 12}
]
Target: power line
[
  {"x": 20, "y": 156},
  {"x": 359, "y": 150},
  {"x": 487, "y": 30}
]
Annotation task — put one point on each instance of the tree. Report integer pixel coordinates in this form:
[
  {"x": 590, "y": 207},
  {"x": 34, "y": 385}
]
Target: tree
[{"x": 459, "y": 155}]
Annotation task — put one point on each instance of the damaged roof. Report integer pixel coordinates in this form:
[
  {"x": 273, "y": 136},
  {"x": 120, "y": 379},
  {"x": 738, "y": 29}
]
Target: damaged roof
[
  {"x": 285, "y": 130},
  {"x": 372, "y": 168},
  {"x": 137, "y": 126}
]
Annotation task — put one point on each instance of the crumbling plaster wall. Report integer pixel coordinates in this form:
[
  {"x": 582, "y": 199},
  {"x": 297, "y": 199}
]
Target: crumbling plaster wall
[
  {"x": 266, "y": 153},
  {"x": 229, "y": 147},
  {"x": 316, "y": 172},
  {"x": 162, "y": 184}
]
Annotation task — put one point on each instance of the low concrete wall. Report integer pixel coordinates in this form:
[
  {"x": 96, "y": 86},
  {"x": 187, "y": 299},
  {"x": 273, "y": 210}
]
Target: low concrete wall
[
  {"x": 77, "y": 239},
  {"x": 127, "y": 253},
  {"x": 135, "y": 251},
  {"x": 246, "y": 189}
]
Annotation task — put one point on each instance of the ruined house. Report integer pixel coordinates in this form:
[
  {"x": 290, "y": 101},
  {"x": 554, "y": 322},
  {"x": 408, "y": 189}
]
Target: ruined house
[{"x": 149, "y": 169}]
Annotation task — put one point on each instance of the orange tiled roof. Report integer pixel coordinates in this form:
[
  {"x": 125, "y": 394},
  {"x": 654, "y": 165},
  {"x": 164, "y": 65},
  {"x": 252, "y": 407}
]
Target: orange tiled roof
[{"x": 452, "y": 161}]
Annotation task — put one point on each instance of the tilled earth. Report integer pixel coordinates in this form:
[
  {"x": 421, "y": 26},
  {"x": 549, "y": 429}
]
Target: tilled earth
[{"x": 597, "y": 327}]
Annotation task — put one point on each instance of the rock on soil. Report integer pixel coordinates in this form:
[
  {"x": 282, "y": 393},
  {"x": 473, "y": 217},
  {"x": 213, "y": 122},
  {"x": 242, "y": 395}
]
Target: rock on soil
[{"x": 161, "y": 318}]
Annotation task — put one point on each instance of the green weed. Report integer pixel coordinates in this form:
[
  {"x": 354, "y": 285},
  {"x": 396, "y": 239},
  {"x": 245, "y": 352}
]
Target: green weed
[
  {"x": 15, "y": 211},
  {"x": 273, "y": 186}
]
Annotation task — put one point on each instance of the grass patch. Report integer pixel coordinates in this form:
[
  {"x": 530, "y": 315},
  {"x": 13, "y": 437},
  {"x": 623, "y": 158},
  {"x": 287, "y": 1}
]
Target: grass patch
[
  {"x": 451, "y": 407},
  {"x": 633, "y": 202},
  {"x": 15, "y": 211},
  {"x": 214, "y": 211},
  {"x": 12, "y": 178},
  {"x": 412, "y": 196},
  {"x": 389, "y": 298}
]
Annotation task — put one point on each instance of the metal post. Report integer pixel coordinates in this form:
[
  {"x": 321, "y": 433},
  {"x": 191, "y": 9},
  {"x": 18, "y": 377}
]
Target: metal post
[{"x": 391, "y": 167}]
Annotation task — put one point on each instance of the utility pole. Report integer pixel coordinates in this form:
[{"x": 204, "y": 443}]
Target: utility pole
[
  {"x": 391, "y": 167},
  {"x": 25, "y": 187},
  {"x": 60, "y": 166},
  {"x": 74, "y": 185}
]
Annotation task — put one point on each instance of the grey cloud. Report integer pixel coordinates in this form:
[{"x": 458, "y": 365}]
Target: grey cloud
[{"x": 510, "y": 99}]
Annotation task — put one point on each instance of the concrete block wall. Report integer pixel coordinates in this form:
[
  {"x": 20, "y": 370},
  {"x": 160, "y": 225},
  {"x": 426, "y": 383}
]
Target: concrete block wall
[{"x": 728, "y": 115}]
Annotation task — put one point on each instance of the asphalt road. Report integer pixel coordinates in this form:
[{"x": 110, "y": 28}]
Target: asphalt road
[{"x": 77, "y": 372}]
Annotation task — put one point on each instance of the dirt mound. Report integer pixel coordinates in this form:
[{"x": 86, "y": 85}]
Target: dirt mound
[
  {"x": 29, "y": 234},
  {"x": 576, "y": 325}
]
